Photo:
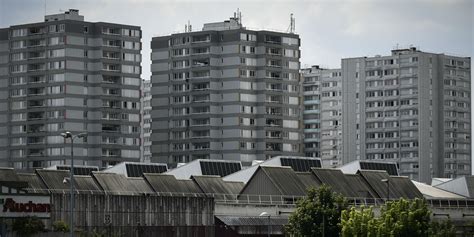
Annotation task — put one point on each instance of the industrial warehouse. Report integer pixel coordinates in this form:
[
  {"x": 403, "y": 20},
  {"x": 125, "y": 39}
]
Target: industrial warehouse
[{"x": 125, "y": 201}]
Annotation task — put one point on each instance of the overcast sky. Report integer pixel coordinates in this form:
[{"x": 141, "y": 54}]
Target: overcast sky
[{"x": 329, "y": 29}]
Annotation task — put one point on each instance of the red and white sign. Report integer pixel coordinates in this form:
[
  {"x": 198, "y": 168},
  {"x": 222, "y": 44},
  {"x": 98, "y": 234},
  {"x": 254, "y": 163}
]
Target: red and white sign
[{"x": 25, "y": 205}]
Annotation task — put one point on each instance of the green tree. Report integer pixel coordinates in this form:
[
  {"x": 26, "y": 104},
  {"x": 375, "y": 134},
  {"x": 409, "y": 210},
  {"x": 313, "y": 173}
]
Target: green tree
[
  {"x": 359, "y": 222},
  {"x": 28, "y": 226},
  {"x": 442, "y": 229},
  {"x": 318, "y": 214},
  {"x": 405, "y": 218},
  {"x": 60, "y": 226},
  {"x": 397, "y": 218}
]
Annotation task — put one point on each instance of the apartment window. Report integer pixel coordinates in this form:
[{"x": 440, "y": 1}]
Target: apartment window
[{"x": 86, "y": 29}]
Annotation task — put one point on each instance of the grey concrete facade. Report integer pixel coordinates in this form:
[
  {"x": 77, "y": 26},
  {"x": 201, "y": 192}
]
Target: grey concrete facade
[
  {"x": 225, "y": 93},
  {"x": 146, "y": 125},
  {"x": 322, "y": 116},
  {"x": 411, "y": 107},
  {"x": 66, "y": 74}
]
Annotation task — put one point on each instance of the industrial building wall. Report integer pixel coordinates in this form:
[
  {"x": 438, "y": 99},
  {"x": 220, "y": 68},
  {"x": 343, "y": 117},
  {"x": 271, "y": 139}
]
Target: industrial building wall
[{"x": 142, "y": 215}]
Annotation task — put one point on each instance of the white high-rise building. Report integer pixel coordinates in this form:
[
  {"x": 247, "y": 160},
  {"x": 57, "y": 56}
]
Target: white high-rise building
[
  {"x": 322, "y": 114},
  {"x": 410, "y": 107}
]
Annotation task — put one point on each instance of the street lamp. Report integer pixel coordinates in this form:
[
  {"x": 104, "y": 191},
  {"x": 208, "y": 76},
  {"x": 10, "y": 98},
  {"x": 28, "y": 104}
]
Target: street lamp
[
  {"x": 71, "y": 173},
  {"x": 388, "y": 187},
  {"x": 263, "y": 214}
]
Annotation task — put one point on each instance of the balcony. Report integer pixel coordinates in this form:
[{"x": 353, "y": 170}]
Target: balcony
[
  {"x": 111, "y": 31},
  {"x": 36, "y": 43},
  {"x": 201, "y": 63},
  {"x": 110, "y": 153},
  {"x": 112, "y": 43},
  {"x": 111, "y": 68},
  {"x": 35, "y": 140},
  {"x": 274, "y": 51},
  {"x": 36, "y": 152},
  {"x": 111, "y": 116},
  {"x": 201, "y": 39},
  {"x": 36, "y": 128},
  {"x": 36, "y": 91},
  {"x": 272, "y": 39},
  {"x": 111, "y": 128},
  {"x": 273, "y": 147},
  {"x": 36, "y": 55},
  {"x": 200, "y": 51},
  {"x": 36, "y": 103},
  {"x": 274, "y": 135},
  {"x": 111, "y": 92},
  {"x": 37, "y": 30},
  {"x": 204, "y": 74},
  {"x": 111, "y": 55},
  {"x": 274, "y": 122},
  {"x": 274, "y": 63},
  {"x": 111, "y": 79},
  {"x": 274, "y": 75},
  {"x": 36, "y": 116},
  {"x": 36, "y": 67},
  {"x": 110, "y": 140},
  {"x": 36, "y": 79}
]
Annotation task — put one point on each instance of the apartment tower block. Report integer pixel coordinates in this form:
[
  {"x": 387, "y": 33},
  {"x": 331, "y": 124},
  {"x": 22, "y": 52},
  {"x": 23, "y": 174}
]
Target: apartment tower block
[
  {"x": 411, "y": 107},
  {"x": 225, "y": 92},
  {"x": 66, "y": 74}
]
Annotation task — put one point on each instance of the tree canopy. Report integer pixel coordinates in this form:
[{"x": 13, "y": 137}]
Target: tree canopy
[
  {"x": 397, "y": 218},
  {"x": 318, "y": 214}
]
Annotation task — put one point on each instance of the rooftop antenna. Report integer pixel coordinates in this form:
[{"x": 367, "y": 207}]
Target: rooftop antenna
[
  {"x": 190, "y": 28},
  {"x": 240, "y": 17},
  {"x": 291, "y": 29}
]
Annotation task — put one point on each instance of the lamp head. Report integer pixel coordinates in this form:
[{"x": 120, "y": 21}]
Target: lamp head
[
  {"x": 384, "y": 180},
  {"x": 66, "y": 134}
]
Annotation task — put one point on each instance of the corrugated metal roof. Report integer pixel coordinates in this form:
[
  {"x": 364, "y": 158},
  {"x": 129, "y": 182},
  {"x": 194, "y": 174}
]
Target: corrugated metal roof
[
  {"x": 405, "y": 187},
  {"x": 336, "y": 180},
  {"x": 140, "y": 185},
  {"x": 9, "y": 178},
  {"x": 116, "y": 183},
  {"x": 308, "y": 180},
  {"x": 216, "y": 186},
  {"x": 53, "y": 179},
  {"x": 165, "y": 183},
  {"x": 85, "y": 183},
  {"x": 470, "y": 185},
  {"x": 35, "y": 185},
  {"x": 253, "y": 220},
  {"x": 285, "y": 179},
  {"x": 374, "y": 178},
  {"x": 360, "y": 186},
  {"x": 8, "y": 174},
  {"x": 399, "y": 187}
]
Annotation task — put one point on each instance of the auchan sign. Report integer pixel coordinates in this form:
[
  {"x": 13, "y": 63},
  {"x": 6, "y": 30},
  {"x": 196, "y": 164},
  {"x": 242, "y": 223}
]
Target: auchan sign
[{"x": 25, "y": 205}]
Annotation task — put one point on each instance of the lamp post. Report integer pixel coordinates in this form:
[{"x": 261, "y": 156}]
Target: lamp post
[
  {"x": 71, "y": 176},
  {"x": 263, "y": 214},
  {"x": 388, "y": 187}
]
